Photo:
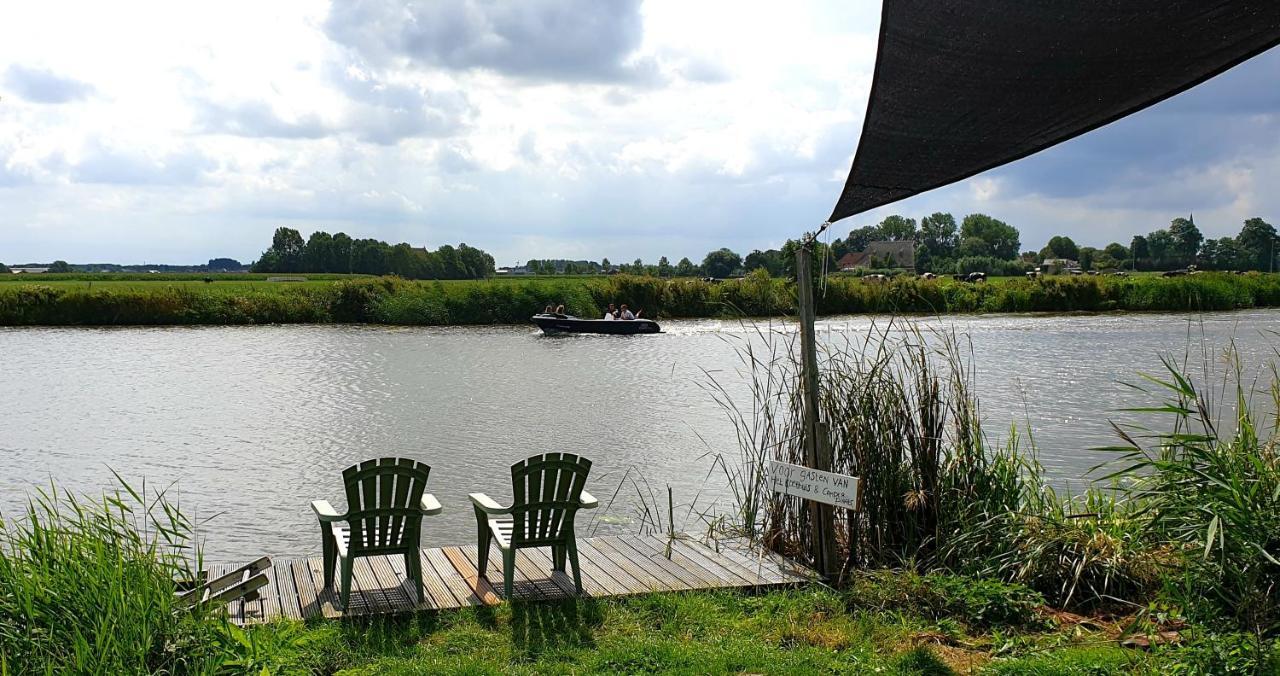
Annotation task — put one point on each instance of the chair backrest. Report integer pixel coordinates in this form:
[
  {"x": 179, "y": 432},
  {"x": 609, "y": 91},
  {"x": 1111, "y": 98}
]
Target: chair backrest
[
  {"x": 383, "y": 498},
  {"x": 546, "y": 490}
]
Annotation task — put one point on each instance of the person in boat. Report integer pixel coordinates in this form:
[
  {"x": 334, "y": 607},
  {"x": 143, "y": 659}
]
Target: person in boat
[
  {"x": 547, "y": 310},
  {"x": 626, "y": 313},
  {"x": 560, "y": 310},
  {"x": 610, "y": 313}
]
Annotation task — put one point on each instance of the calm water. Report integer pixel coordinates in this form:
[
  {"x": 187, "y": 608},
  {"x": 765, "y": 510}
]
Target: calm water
[{"x": 249, "y": 424}]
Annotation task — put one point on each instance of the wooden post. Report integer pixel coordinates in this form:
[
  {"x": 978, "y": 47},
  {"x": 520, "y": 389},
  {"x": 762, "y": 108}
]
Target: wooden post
[{"x": 817, "y": 452}]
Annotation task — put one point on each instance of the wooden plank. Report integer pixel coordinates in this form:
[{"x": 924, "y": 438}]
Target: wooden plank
[
  {"x": 521, "y": 585},
  {"x": 434, "y": 560},
  {"x": 401, "y": 593},
  {"x": 367, "y": 594},
  {"x": 752, "y": 575},
  {"x": 752, "y": 561},
  {"x": 327, "y": 599},
  {"x": 467, "y": 569},
  {"x": 708, "y": 563},
  {"x": 590, "y": 587},
  {"x": 307, "y": 602},
  {"x": 539, "y": 575},
  {"x": 635, "y": 581},
  {"x": 235, "y": 607},
  {"x": 688, "y": 576},
  {"x": 436, "y": 595},
  {"x": 615, "y": 582},
  {"x": 267, "y": 605},
  {"x": 711, "y": 576},
  {"x": 789, "y": 569},
  {"x": 629, "y": 559},
  {"x": 287, "y": 591}
]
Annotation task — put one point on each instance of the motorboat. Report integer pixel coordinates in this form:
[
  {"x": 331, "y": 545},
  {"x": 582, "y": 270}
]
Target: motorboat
[{"x": 552, "y": 324}]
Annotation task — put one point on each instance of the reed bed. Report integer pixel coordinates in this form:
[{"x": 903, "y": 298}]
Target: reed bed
[
  {"x": 391, "y": 300},
  {"x": 1189, "y": 515}
]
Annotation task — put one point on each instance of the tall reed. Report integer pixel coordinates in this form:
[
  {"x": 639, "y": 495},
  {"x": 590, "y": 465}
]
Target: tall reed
[{"x": 88, "y": 587}]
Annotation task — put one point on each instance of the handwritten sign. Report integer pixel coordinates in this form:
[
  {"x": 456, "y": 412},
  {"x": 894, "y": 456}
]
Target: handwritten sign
[{"x": 813, "y": 484}]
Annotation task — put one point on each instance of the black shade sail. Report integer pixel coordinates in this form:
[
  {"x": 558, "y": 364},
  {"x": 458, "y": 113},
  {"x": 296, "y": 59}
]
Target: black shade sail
[{"x": 962, "y": 86}]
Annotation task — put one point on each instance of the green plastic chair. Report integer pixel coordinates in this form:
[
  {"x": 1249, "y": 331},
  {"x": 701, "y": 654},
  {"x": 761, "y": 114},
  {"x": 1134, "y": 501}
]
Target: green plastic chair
[
  {"x": 385, "y": 505},
  {"x": 548, "y": 492}
]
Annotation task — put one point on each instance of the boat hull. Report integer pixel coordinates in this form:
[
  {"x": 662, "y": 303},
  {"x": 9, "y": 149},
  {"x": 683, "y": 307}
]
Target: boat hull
[{"x": 558, "y": 324}]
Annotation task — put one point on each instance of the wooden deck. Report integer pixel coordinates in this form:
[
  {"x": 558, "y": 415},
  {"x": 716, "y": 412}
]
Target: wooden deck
[{"x": 611, "y": 566}]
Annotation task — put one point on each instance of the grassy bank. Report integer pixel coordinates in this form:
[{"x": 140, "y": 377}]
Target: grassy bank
[{"x": 231, "y": 299}]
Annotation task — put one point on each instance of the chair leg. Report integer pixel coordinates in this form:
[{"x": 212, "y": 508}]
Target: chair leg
[
  {"x": 483, "y": 536},
  {"x": 330, "y": 549},
  {"x": 508, "y": 570},
  {"x": 413, "y": 567},
  {"x": 345, "y": 596},
  {"x": 557, "y": 557},
  {"x": 572, "y": 549}
]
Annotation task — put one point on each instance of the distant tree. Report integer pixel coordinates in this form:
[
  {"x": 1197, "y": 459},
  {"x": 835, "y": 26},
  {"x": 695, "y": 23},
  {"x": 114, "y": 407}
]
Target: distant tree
[
  {"x": 317, "y": 254},
  {"x": 974, "y": 247},
  {"x": 605, "y": 265},
  {"x": 571, "y": 268},
  {"x": 288, "y": 243},
  {"x": 1000, "y": 237},
  {"x": 897, "y": 228},
  {"x": 1162, "y": 249},
  {"x": 1062, "y": 247},
  {"x": 637, "y": 267},
  {"x": 1086, "y": 256},
  {"x": 1139, "y": 250},
  {"x": 770, "y": 261},
  {"x": 216, "y": 264},
  {"x": 686, "y": 268},
  {"x": 664, "y": 267},
  {"x": 341, "y": 256},
  {"x": 1186, "y": 239},
  {"x": 721, "y": 263},
  {"x": 1116, "y": 251},
  {"x": 859, "y": 239},
  {"x": 1257, "y": 240},
  {"x": 59, "y": 266},
  {"x": 369, "y": 257},
  {"x": 939, "y": 235},
  {"x": 1223, "y": 254},
  {"x": 4, "y": 269}
]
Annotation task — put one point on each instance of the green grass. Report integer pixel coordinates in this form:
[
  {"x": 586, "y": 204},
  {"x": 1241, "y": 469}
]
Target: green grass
[
  {"x": 805, "y": 631},
  {"x": 250, "y": 299}
]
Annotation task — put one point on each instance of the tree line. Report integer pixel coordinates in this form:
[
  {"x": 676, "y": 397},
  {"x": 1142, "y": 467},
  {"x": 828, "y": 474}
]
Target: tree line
[{"x": 339, "y": 253}]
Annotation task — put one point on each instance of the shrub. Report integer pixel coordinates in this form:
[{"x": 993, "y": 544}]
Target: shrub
[{"x": 979, "y": 603}]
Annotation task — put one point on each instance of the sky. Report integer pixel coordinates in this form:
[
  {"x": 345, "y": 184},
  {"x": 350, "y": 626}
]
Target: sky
[{"x": 171, "y": 132}]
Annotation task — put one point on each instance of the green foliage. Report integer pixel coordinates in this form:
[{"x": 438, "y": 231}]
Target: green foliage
[
  {"x": 721, "y": 263},
  {"x": 986, "y": 236},
  {"x": 88, "y": 587},
  {"x": 1225, "y": 654},
  {"x": 59, "y": 266},
  {"x": 978, "y": 603},
  {"x": 1212, "y": 488},
  {"x": 325, "y": 253}
]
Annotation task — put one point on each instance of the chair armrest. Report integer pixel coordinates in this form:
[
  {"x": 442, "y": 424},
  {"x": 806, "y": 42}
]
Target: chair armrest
[
  {"x": 588, "y": 501},
  {"x": 325, "y": 511},
  {"x": 486, "y": 504},
  {"x": 430, "y": 505}
]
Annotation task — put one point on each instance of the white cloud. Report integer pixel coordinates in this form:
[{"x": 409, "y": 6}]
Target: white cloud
[{"x": 535, "y": 129}]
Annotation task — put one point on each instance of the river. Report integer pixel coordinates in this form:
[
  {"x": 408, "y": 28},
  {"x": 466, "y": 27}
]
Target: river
[{"x": 247, "y": 425}]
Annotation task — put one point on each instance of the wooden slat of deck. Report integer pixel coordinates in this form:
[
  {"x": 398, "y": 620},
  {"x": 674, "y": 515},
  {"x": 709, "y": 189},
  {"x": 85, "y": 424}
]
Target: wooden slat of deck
[
  {"x": 467, "y": 569},
  {"x": 718, "y": 558},
  {"x": 689, "y": 577},
  {"x": 790, "y": 571},
  {"x": 633, "y": 562},
  {"x": 235, "y": 607},
  {"x": 326, "y": 598},
  {"x": 522, "y": 584},
  {"x": 590, "y": 587},
  {"x": 287, "y": 590},
  {"x": 611, "y": 566},
  {"x": 452, "y": 579},
  {"x": 760, "y": 565},
  {"x": 712, "y": 576},
  {"x": 718, "y": 566},
  {"x": 400, "y": 590},
  {"x": 624, "y": 582},
  {"x": 608, "y": 575}
]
